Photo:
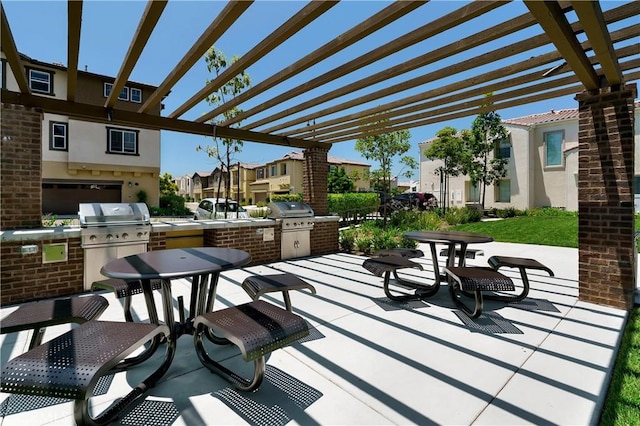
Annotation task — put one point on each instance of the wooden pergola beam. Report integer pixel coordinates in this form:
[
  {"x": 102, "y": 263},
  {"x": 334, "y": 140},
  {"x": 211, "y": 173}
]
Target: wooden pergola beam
[
  {"x": 100, "y": 114},
  {"x": 415, "y": 102},
  {"x": 11, "y": 53},
  {"x": 147, "y": 24},
  {"x": 426, "y": 31},
  {"x": 74, "y": 25},
  {"x": 506, "y": 51},
  {"x": 381, "y": 19},
  {"x": 300, "y": 20},
  {"x": 554, "y": 22},
  {"x": 230, "y": 14},
  {"x": 595, "y": 27}
]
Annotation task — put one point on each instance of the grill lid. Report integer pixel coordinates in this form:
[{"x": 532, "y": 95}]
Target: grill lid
[
  {"x": 284, "y": 209},
  {"x": 104, "y": 214}
]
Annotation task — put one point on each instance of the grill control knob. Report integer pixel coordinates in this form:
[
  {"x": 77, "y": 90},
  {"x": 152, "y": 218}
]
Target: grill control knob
[
  {"x": 125, "y": 235},
  {"x": 109, "y": 237},
  {"x": 93, "y": 238},
  {"x": 139, "y": 235}
]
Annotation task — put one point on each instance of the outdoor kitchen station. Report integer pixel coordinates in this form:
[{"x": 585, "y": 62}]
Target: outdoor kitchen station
[
  {"x": 297, "y": 221},
  {"x": 109, "y": 231}
]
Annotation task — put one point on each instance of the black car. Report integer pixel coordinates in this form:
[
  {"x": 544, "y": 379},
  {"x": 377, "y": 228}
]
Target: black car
[{"x": 419, "y": 200}]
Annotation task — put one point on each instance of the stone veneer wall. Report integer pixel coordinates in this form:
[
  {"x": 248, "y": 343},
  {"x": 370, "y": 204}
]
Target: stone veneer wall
[
  {"x": 20, "y": 167},
  {"x": 606, "y": 225}
]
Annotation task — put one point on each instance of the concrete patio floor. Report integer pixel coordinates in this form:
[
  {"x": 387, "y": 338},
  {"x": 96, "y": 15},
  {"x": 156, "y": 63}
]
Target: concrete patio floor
[{"x": 546, "y": 360}]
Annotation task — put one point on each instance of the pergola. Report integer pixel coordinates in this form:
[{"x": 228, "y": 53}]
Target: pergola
[{"x": 586, "y": 51}]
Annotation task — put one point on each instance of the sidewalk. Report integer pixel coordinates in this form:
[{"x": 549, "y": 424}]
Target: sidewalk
[{"x": 368, "y": 360}]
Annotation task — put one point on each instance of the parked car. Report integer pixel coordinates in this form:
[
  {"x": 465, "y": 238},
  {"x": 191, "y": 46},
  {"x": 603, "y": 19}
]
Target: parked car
[
  {"x": 419, "y": 200},
  {"x": 206, "y": 209}
]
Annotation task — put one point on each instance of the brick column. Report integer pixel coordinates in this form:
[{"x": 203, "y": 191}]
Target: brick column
[
  {"x": 316, "y": 169},
  {"x": 607, "y": 253},
  {"x": 20, "y": 168}
]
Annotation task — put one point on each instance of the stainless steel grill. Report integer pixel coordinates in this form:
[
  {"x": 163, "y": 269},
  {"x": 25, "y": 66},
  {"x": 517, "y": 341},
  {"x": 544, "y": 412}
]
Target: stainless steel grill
[
  {"x": 109, "y": 231},
  {"x": 297, "y": 223}
]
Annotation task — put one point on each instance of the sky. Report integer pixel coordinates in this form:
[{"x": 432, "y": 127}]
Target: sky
[{"x": 39, "y": 29}]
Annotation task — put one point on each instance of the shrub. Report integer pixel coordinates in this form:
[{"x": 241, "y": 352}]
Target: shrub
[
  {"x": 458, "y": 216},
  {"x": 384, "y": 239},
  {"x": 286, "y": 197},
  {"x": 347, "y": 239},
  {"x": 142, "y": 196},
  {"x": 353, "y": 205},
  {"x": 363, "y": 243},
  {"x": 508, "y": 212},
  {"x": 171, "y": 205}
]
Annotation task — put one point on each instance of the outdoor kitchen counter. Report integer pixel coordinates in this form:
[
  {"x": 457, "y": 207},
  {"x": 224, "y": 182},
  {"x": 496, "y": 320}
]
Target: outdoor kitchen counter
[{"x": 59, "y": 232}]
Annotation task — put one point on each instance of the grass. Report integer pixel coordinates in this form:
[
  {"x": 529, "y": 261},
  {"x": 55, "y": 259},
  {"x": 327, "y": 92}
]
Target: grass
[{"x": 622, "y": 405}]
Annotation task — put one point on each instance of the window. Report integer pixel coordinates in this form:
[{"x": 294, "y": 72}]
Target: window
[
  {"x": 136, "y": 95},
  {"x": 637, "y": 184},
  {"x": 553, "y": 148},
  {"x": 473, "y": 192},
  {"x": 503, "y": 191},
  {"x": 121, "y": 141},
  {"x": 283, "y": 169},
  {"x": 41, "y": 81},
  {"x": 504, "y": 149},
  {"x": 124, "y": 93},
  {"x": 260, "y": 174},
  {"x": 274, "y": 170},
  {"x": 58, "y": 136}
]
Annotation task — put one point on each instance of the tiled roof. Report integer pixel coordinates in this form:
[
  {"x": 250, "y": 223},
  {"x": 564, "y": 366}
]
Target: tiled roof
[{"x": 545, "y": 117}]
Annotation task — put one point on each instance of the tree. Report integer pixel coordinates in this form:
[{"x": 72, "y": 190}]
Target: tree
[
  {"x": 486, "y": 168},
  {"x": 383, "y": 148},
  {"x": 452, "y": 147},
  {"x": 167, "y": 185},
  {"x": 338, "y": 181},
  {"x": 224, "y": 148}
]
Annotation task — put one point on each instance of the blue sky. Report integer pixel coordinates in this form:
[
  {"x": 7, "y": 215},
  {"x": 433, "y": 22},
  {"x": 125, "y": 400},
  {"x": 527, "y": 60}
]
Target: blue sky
[{"x": 39, "y": 30}]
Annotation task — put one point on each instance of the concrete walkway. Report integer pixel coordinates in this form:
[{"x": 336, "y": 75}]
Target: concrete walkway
[{"x": 368, "y": 360}]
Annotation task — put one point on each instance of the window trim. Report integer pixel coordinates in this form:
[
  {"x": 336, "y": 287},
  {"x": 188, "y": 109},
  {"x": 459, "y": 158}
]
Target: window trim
[
  {"x": 273, "y": 171},
  {"x": 120, "y": 98},
  {"x": 467, "y": 195},
  {"x": 283, "y": 169},
  {"x": 52, "y": 146},
  {"x": 50, "y": 82},
  {"x": 546, "y": 157},
  {"x": 509, "y": 145},
  {"x": 122, "y": 130},
  {"x": 131, "y": 91}
]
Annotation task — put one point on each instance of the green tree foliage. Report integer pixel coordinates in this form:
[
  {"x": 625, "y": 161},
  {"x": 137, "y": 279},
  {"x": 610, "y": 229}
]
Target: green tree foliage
[
  {"x": 224, "y": 149},
  {"x": 451, "y": 147},
  {"x": 167, "y": 185},
  {"x": 484, "y": 167},
  {"x": 338, "y": 182},
  {"x": 384, "y": 148}
]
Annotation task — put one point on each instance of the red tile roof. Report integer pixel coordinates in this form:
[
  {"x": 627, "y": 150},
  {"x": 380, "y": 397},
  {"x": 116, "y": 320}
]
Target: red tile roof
[{"x": 545, "y": 117}]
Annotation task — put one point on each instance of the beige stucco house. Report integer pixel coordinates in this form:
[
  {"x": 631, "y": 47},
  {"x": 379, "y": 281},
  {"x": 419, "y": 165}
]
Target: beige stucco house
[
  {"x": 542, "y": 170},
  {"x": 258, "y": 182},
  {"x": 85, "y": 161}
]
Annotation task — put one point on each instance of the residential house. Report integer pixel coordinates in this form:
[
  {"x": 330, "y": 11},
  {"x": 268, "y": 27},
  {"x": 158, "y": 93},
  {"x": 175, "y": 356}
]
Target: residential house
[
  {"x": 542, "y": 169},
  {"x": 185, "y": 186},
  {"x": 85, "y": 161},
  {"x": 201, "y": 182}
]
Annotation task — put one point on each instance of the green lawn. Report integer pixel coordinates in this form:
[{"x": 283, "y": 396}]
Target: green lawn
[{"x": 622, "y": 406}]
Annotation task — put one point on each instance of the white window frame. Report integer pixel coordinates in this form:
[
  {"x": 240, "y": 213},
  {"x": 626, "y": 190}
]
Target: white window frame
[
  {"x": 109, "y": 86},
  {"x": 111, "y": 131},
  {"x": 48, "y": 82},
  {"x": 137, "y": 98},
  {"x": 546, "y": 148},
  {"x": 53, "y": 138}
]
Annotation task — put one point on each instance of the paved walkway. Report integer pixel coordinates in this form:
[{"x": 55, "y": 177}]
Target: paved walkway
[{"x": 369, "y": 361}]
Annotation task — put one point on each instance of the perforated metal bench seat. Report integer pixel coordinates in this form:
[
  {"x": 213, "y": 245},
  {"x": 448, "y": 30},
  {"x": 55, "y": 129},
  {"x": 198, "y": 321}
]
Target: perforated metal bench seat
[
  {"x": 70, "y": 365},
  {"x": 38, "y": 315},
  {"x": 257, "y": 285},
  {"x": 257, "y": 328},
  {"x": 402, "y": 252},
  {"x": 476, "y": 280},
  {"x": 468, "y": 254},
  {"x": 124, "y": 289},
  {"x": 386, "y": 265},
  {"x": 522, "y": 263}
]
